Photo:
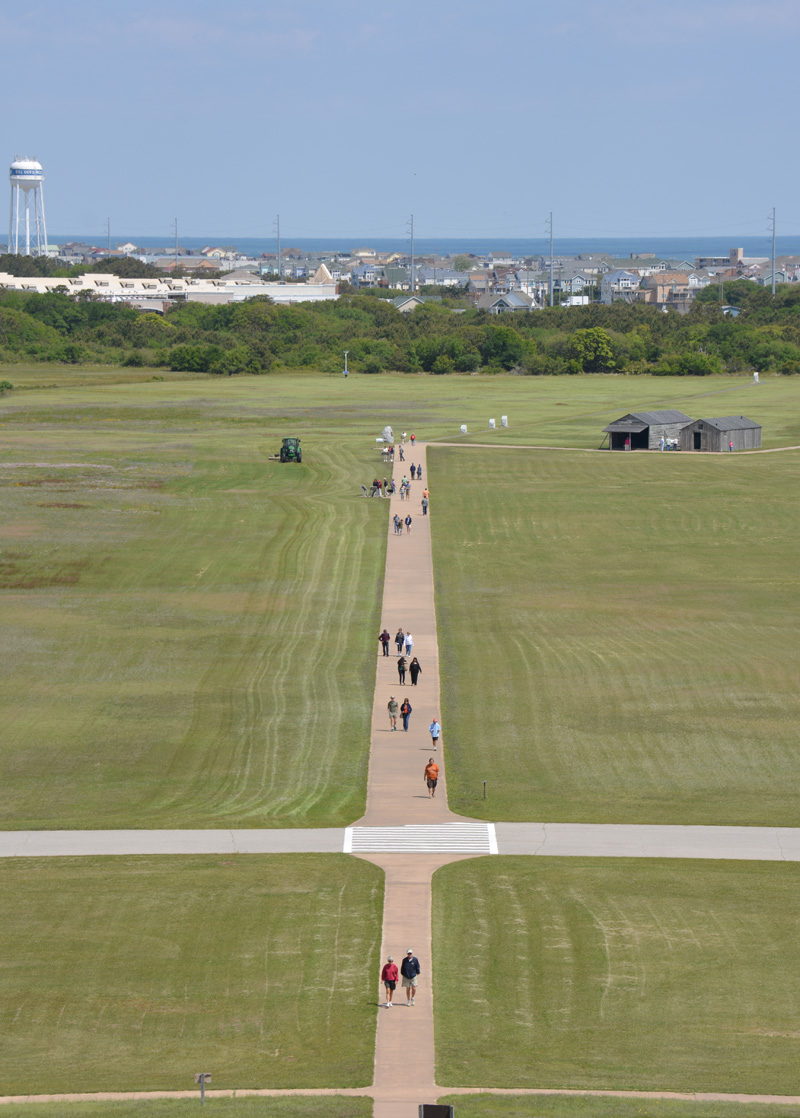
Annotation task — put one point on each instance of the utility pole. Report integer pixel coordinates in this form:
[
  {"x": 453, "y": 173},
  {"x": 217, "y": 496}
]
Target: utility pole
[
  {"x": 772, "y": 220},
  {"x": 175, "y": 228},
  {"x": 413, "y": 272},
  {"x": 108, "y": 234},
  {"x": 550, "y": 230},
  {"x": 277, "y": 225}
]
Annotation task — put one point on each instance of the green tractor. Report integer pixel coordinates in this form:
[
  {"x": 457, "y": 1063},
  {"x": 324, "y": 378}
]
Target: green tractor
[{"x": 290, "y": 451}]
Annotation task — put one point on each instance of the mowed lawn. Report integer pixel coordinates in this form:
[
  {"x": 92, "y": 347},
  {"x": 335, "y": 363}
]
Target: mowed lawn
[
  {"x": 294, "y": 1106},
  {"x": 618, "y": 635},
  {"x": 617, "y": 974},
  {"x": 536, "y": 1106},
  {"x": 131, "y": 974},
  {"x": 189, "y": 628}
]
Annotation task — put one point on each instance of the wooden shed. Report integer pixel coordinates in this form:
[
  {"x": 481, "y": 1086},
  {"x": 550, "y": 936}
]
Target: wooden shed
[
  {"x": 718, "y": 434},
  {"x": 643, "y": 430}
]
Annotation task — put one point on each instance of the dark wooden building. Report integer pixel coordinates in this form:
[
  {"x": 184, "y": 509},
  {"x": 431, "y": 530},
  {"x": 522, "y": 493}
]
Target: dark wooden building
[
  {"x": 718, "y": 434},
  {"x": 643, "y": 430}
]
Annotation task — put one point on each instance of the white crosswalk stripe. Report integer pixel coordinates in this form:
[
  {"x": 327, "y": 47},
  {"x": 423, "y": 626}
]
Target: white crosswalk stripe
[{"x": 450, "y": 838}]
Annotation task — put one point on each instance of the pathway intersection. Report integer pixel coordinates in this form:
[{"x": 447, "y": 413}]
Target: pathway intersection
[{"x": 409, "y": 836}]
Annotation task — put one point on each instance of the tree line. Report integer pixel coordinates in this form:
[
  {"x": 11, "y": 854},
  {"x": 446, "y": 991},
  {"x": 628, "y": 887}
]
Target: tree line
[{"x": 257, "y": 336}]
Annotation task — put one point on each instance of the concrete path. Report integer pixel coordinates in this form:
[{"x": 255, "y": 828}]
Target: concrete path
[
  {"x": 396, "y": 792},
  {"x": 397, "y": 796},
  {"x": 621, "y": 840},
  {"x": 563, "y": 840},
  {"x": 70, "y": 844}
]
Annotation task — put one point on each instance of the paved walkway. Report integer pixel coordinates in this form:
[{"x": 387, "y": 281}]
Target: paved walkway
[{"x": 586, "y": 840}]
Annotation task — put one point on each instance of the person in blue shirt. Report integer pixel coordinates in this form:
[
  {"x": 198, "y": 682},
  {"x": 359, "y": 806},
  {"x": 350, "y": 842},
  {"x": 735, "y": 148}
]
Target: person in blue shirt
[{"x": 410, "y": 971}]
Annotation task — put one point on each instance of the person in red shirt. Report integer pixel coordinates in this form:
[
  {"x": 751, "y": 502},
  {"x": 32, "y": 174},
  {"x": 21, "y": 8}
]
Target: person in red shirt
[{"x": 389, "y": 977}]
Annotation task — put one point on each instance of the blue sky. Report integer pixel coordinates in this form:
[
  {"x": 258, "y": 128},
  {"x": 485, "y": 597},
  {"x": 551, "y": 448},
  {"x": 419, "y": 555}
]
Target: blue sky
[{"x": 641, "y": 117}]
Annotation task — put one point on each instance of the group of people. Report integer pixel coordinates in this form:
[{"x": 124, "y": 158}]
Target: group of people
[
  {"x": 414, "y": 668},
  {"x": 398, "y": 522},
  {"x": 385, "y": 488},
  {"x": 408, "y": 973}
]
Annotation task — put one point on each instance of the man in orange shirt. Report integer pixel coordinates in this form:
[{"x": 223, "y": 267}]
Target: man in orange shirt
[{"x": 431, "y": 776}]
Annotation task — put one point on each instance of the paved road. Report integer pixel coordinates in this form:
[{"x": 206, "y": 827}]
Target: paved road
[{"x": 564, "y": 840}]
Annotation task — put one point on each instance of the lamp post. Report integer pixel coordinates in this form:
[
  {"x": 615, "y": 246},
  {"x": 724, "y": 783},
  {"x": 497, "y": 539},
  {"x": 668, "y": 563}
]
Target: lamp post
[{"x": 345, "y": 370}]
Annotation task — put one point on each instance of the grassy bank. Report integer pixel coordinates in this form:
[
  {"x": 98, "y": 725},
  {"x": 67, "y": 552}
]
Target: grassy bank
[
  {"x": 189, "y": 626},
  {"x": 629, "y": 649},
  {"x": 617, "y": 974},
  {"x": 300, "y": 1106},
  {"x": 135, "y": 973},
  {"x": 527, "y": 1106}
]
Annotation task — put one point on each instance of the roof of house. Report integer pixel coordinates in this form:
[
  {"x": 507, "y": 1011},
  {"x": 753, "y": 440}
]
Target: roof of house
[
  {"x": 621, "y": 273},
  {"x": 514, "y": 299},
  {"x": 636, "y": 421},
  {"x": 731, "y": 423}
]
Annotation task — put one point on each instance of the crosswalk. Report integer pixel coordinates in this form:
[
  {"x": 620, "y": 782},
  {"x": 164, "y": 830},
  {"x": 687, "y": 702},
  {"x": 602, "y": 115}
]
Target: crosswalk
[{"x": 437, "y": 838}]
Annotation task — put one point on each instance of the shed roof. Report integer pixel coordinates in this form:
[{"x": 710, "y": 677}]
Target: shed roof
[
  {"x": 636, "y": 421},
  {"x": 731, "y": 423}
]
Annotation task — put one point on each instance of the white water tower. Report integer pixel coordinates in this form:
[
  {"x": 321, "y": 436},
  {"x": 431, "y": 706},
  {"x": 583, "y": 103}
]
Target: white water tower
[{"x": 27, "y": 205}]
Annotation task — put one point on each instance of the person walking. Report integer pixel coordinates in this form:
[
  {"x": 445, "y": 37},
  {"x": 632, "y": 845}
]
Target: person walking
[
  {"x": 409, "y": 644},
  {"x": 431, "y": 777},
  {"x": 389, "y": 977},
  {"x": 402, "y": 453},
  {"x": 424, "y": 506},
  {"x": 405, "y": 711},
  {"x": 413, "y": 438},
  {"x": 435, "y": 730},
  {"x": 385, "y": 638},
  {"x": 414, "y": 669},
  {"x": 407, "y": 523},
  {"x": 392, "y": 707},
  {"x": 419, "y": 473},
  {"x": 401, "y": 669},
  {"x": 413, "y": 471},
  {"x": 410, "y": 970},
  {"x": 397, "y": 524},
  {"x": 399, "y": 640}
]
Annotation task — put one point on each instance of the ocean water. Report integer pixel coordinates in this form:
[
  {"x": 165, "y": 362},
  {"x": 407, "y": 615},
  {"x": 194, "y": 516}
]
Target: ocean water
[{"x": 671, "y": 248}]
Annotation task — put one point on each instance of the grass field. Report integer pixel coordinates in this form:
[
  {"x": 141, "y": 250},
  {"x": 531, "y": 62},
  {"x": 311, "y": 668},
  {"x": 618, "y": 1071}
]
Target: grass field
[
  {"x": 630, "y": 649},
  {"x": 135, "y": 973},
  {"x": 552, "y": 411},
  {"x": 301, "y": 1106},
  {"x": 188, "y": 633},
  {"x": 526, "y": 1106},
  {"x": 625, "y": 975},
  {"x": 189, "y": 628}
]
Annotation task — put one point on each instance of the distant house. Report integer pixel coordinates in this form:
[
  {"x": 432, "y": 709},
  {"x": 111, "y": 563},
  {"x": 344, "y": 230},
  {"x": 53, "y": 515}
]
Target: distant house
[
  {"x": 643, "y": 430},
  {"x": 442, "y": 277},
  {"x": 508, "y": 302},
  {"x": 479, "y": 282},
  {"x": 365, "y": 275},
  {"x": 618, "y": 284},
  {"x": 666, "y": 289},
  {"x": 718, "y": 434},
  {"x": 406, "y": 303}
]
